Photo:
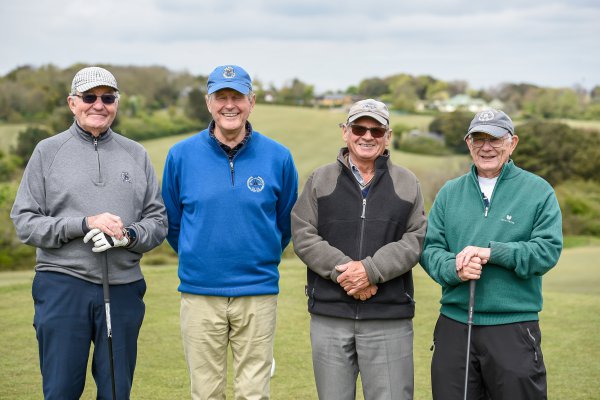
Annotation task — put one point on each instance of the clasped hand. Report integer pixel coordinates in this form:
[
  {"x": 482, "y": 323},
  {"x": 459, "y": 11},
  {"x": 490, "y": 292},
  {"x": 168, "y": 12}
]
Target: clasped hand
[
  {"x": 354, "y": 280},
  {"x": 470, "y": 262}
]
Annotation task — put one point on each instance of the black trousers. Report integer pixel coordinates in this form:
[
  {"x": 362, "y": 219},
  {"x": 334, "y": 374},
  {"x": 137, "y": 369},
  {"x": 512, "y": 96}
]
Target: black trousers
[{"x": 505, "y": 362}]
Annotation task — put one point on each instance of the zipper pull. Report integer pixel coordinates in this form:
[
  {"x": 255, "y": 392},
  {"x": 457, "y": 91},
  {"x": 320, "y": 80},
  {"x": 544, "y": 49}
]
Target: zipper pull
[
  {"x": 96, "y": 144},
  {"x": 364, "y": 209},
  {"x": 486, "y": 204}
]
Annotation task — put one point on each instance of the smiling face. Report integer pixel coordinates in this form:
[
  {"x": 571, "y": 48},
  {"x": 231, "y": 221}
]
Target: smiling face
[
  {"x": 230, "y": 110},
  {"x": 97, "y": 117},
  {"x": 366, "y": 148},
  {"x": 487, "y": 159}
]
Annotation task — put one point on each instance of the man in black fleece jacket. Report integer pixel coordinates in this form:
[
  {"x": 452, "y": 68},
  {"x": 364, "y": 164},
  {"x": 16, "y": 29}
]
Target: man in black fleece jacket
[{"x": 359, "y": 226}]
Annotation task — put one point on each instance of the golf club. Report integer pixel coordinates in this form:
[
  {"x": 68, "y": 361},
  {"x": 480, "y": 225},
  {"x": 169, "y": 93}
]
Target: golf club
[
  {"x": 108, "y": 323},
  {"x": 470, "y": 325}
]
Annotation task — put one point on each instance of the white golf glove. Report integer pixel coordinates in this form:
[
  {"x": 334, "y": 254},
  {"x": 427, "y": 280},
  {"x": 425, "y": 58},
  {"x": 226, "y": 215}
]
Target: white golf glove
[{"x": 103, "y": 242}]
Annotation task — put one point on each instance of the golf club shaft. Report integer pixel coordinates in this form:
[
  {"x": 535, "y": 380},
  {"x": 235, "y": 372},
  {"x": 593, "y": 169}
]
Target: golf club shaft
[
  {"x": 469, "y": 327},
  {"x": 106, "y": 291}
]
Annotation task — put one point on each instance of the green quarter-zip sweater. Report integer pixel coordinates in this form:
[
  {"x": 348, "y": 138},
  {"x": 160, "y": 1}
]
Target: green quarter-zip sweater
[{"x": 523, "y": 228}]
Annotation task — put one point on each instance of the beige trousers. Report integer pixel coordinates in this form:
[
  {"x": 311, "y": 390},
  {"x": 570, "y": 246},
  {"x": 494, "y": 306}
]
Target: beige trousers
[{"x": 209, "y": 324}]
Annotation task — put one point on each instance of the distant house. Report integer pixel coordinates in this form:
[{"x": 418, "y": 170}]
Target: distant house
[
  {"x": 334, "y": 100},
  {"x": 462, "y": 102}
]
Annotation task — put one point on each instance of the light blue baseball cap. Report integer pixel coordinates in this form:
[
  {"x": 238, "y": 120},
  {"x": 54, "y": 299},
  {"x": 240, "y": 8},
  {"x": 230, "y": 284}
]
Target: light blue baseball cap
[{"x": 229, "y": 77}]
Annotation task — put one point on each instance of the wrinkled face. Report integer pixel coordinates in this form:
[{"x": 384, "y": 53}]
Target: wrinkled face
[
  {"x": 487, "y": 158},
  {"x": 96, "y": 117},
  {"x": 365, "y": 148},
  {"x": 230, "y": 110}
]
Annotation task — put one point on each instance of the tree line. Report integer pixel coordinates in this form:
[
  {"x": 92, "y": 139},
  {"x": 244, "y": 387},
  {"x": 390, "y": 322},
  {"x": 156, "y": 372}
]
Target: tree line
[{"x": 158, "y": 102}]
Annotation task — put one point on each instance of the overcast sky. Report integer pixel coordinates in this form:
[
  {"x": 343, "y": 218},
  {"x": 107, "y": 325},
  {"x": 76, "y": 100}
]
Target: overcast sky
[{"x": 330, "y": 44}]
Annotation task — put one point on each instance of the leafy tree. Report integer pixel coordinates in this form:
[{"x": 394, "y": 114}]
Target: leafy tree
[
  {"x": 558, "y": 152},
  {"x": 27, "y": 141},
  {"x": 296, "y": 93},
  {"x": 453, "y": 126},
  {"x": 196, "y": 106},
  {"x": 373, "y": 88},
  {"x": 9, "y": 166}
]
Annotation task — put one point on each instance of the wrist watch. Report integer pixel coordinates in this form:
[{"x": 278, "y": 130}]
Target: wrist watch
[{"x": 130, "y": 234}]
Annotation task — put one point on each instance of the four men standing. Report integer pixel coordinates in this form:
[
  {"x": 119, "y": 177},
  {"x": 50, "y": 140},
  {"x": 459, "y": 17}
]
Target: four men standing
[{"x": 359, "y": 226}]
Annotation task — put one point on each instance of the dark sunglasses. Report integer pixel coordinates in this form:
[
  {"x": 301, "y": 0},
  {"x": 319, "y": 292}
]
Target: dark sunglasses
[
  {"x": 90, "y": 98},
  {"x": 376, "y": 132}
]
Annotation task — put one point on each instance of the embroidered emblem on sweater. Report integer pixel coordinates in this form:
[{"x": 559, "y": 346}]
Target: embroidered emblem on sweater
[
  {"x": 508, "y": 219},
  {"x": 125, "y": 177},
  {"x": 255, "y": 184}
]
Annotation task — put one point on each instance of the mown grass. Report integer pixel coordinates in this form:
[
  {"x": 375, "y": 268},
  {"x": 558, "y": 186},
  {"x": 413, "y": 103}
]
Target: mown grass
[{"x": 570, "y": 321}]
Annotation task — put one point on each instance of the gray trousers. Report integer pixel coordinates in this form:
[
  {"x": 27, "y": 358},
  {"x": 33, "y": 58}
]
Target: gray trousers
[{"x": 381, "y": 350}]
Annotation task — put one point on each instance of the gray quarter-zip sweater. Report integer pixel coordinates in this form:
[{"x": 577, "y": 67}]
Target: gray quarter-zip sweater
[{"x": 73, "y": 175}]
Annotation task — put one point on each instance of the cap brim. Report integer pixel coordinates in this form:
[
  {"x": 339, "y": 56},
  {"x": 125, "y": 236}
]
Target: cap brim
[
  {"x": 376, "y": 117},
  {"x": 229, "y": 85},
  {"x": 493, "y": 130},
  {"x": 90, "y": 85}
]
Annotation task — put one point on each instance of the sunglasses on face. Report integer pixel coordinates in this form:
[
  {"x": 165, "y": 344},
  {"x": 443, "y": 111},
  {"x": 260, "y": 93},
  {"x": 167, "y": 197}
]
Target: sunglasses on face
[
  {"x": 377, "y": 132},
  {"x": 90, "y": 98}
]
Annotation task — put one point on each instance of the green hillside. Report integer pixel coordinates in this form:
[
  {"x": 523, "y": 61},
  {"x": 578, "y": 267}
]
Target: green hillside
[{"x": 314, "y": 138}]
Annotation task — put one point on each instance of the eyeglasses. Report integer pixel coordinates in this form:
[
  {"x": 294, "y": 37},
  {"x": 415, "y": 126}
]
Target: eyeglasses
[
  {"x": 495, "y": 142},
  {"x": 377, "y": 132},
  {"x": 90, "y": 98}
]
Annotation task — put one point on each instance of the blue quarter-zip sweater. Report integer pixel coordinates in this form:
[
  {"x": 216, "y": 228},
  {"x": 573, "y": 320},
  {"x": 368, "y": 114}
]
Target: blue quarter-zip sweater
[{"x": 229, "y": 222}]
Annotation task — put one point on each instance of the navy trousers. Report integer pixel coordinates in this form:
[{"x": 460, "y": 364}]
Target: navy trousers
[{"x": 69, "y": 316}]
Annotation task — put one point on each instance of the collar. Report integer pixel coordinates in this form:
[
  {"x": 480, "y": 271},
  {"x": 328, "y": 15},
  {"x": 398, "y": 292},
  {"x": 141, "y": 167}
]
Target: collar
[{"x": 87, "y": 136}]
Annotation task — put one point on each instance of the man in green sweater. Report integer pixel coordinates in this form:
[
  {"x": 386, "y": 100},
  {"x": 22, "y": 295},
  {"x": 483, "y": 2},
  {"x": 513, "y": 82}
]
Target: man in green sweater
[{"x": 502, "y": 226}]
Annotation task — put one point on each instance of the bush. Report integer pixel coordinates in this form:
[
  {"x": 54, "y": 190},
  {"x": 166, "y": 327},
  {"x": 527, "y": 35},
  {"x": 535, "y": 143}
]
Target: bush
[
  {"x": 13, "y": 254},
  {"x": 580, "y": 205},
  {"x": 27, "y": 141},
  {"x": 558, "y": 152},
  {"x": 423, "y": 145},
  {"x": 453, "y": 126},
  {"x": 156, "y": 125}
]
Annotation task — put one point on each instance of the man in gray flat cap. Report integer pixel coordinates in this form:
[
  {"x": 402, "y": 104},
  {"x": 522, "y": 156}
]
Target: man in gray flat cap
[
  {"x": 89, "y": 198},
  {"x": 358, "y": 226},
  {"x": 501, "y": 227}
]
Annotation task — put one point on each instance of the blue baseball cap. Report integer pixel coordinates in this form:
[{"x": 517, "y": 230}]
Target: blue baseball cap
[{"x": 230, "y": 77}]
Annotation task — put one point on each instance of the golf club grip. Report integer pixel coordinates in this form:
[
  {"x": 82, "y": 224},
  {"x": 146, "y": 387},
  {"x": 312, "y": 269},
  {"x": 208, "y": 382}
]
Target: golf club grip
[
  {"x": 472, "y": 284},
  {"x": 105, "y": 279}
]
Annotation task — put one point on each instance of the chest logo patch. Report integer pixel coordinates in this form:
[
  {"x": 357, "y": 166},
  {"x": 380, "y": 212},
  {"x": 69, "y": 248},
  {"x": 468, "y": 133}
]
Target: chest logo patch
[
  {"x": 255, "y": 184},
  {"x": 508, "y": 218},
  {"x": 125, "y": 177}
]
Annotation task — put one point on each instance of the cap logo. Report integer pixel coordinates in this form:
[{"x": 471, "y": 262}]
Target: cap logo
[
  {"x": 228, "y": 72},
  {"x": 486, "y": 116},
  {"x": 369, "y": 106}
]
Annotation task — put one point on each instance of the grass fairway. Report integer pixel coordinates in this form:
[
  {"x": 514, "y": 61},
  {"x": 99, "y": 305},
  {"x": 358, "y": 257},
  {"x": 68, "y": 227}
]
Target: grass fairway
[{"x": 570, "y": 322}]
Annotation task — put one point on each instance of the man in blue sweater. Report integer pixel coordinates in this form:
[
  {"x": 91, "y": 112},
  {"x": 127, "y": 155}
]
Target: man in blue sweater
[{"x": 229, "y": 192}]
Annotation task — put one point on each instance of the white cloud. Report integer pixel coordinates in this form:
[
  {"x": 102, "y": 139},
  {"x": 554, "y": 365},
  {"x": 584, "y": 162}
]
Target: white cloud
[{"x": 329, "y": 44}]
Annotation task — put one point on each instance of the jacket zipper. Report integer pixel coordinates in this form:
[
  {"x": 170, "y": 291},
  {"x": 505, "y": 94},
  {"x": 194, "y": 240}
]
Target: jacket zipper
[
  {"x": 232, "y": 172},
  {"x": 363, "y": 217},
  {"x": 98, "y": 157},
  {"x": 486, "y": 205}
]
